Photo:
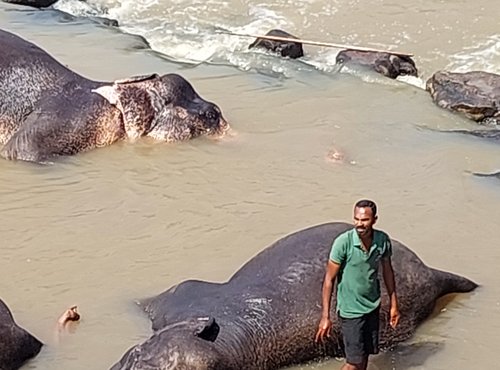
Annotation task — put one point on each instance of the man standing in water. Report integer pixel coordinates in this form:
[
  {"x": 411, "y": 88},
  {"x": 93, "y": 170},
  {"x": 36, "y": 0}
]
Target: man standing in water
[{"x": 354, "y": 260}]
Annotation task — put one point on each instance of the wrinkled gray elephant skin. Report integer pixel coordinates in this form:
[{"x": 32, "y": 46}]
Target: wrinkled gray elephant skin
[
  {"x": 284, "y": 48},
  {"x": 389, "y": 65},
  {"x": 474, "y": 94},
  {"x": 265, "y": 317},
  {"x": 47, "y": 110},
  {"x": 16, "y": 344}
]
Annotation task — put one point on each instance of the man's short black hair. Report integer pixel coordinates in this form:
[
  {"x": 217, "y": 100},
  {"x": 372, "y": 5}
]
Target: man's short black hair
[{"x": 367, "y": 203}]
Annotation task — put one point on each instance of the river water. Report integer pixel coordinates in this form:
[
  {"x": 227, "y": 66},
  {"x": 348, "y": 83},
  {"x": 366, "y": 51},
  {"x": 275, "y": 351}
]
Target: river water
[{"x": 104, "y": 228}]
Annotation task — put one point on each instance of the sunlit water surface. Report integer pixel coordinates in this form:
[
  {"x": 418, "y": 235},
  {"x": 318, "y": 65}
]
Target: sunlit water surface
[{"x": 107, "y": 227}]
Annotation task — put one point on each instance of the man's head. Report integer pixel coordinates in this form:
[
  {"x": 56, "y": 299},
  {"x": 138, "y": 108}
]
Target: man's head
[{"x": 365, "y": 216}]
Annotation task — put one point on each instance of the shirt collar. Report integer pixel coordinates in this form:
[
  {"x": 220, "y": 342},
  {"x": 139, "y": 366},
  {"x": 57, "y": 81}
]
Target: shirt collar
[
  {"x": 356, "y": 241},
  {"x": 355, "y": 238}
]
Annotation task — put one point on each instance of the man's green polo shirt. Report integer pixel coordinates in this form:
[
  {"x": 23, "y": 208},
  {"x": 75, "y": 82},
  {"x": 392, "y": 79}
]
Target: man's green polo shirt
[{"x": 358, "y": 289}]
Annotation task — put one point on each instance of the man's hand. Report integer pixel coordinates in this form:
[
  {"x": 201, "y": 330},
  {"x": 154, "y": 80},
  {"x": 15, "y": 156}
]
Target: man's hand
[
  {"x": 324, "y": 328},
  {"x": 394, "y": 319}
]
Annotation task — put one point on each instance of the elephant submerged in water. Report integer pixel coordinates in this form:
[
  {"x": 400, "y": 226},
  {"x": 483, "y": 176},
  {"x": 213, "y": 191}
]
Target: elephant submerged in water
[
  {"x": 47, "y": 110},
  {"x": 284, "y": 48},
  {"x": 265, "y": 317},
  {"x": 17, "y": 345},
  {"x": 33, "y": 3},
  {"x": 385, "y": 63}
]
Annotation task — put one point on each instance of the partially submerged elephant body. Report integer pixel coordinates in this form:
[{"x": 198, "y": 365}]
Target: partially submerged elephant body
[
  {"x": 33, "y": 3},
  {"x": 48, "y": 110},
  {"x": 284, "y": 48},
  {"x": 265, "y": 317},
  {"x": 474, "y": 94},
  {"x": 16, "y": 344},
  {"x": 387, "y": 64}
]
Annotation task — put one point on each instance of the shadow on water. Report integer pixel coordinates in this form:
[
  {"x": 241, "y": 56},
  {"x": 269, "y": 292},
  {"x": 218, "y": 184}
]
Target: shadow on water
[
  {"x": 489, "y": 134},
  {"x": 406, "y": 356},
  {"x": 490, "y": 175}
]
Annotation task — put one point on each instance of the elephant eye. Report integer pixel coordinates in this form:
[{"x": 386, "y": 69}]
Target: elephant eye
[
  {"x": 211, "y": 115},
  {"x": 341, "y": 60}
]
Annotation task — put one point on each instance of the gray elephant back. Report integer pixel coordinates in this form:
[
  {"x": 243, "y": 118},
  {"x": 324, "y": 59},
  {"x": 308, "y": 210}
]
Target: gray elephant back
[
  {"x": 16, "y": 344},
  {"x": 290, "y": 257},
  {"x": 26, "y": 72},
  {"x": 281, "y": 269}
]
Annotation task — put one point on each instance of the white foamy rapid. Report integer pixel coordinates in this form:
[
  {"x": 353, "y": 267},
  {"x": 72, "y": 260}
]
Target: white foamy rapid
[
  {"x": 186, "y": 31},
  {"x": 196, "y": 31},
  {"x": 485, "y": 56}
]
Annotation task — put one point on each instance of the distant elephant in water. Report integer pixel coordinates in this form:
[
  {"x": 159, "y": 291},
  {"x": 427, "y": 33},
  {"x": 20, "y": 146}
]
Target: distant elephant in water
[
  {"x": 47, "y": 110},
  {"x": 265, "y": 317},
  {"x": 16, "y": 344},
  {"x": 390, "y": 65},
  {"x": 284, "y": 48},
  {"x": 40, "y": 4},
  {"x": 474, "y": 94},
  {"x": 33, "y": 3}
]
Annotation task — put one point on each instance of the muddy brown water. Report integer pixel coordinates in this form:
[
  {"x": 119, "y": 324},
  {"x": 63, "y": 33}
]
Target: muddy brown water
[{"x": 107, "y": 227}]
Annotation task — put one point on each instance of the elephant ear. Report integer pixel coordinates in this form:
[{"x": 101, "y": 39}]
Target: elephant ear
[
  {"x": 136, "y": 99},
  {"x": 206, "y": 328}
]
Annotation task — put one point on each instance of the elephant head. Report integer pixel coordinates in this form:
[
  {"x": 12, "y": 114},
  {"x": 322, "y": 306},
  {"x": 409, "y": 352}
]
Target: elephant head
[
  {"x": 187, "y": 345},
  {"x": 166, "y": 108},
  {"x": 285, "y": 48},
  {"x": 389, "y": 65}
]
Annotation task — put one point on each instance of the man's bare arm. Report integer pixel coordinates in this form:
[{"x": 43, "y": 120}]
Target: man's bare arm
[
  {"x": 325, "y": 325},
  {"x": 390, "y": 284}
]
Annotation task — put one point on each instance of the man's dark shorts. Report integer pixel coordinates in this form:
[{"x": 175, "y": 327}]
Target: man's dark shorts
[{"x": 360, "y": 336}]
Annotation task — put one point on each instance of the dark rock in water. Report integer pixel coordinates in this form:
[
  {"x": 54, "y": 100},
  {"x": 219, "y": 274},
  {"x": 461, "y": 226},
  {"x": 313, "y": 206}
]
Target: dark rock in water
[
  {"x": 16, "y": 344},
  {"x": 485, "y": 134},
  {"x": 33, "y": 3},
  {"x": 390, "y": 65},
  {"x": 494, "y": 174},
  {"x": 474, "y": 94},
  {"x": 46, "y": 3},
  {"x": 138, "y": 42},
  {"x": 285, "y": 48}
]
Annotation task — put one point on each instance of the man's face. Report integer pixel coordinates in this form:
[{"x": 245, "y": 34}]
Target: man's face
[{"x": 364, "y": 221}]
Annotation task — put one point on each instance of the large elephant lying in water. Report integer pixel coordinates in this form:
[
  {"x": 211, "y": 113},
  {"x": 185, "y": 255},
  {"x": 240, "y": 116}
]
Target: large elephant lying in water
[
  {"x": 265, "y": 317},
  {"x": 48, "y": 110},
  {"x": 16, "y": 344}
]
